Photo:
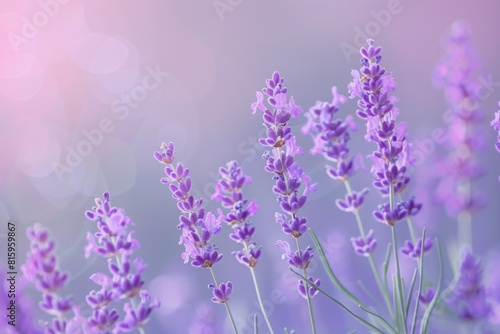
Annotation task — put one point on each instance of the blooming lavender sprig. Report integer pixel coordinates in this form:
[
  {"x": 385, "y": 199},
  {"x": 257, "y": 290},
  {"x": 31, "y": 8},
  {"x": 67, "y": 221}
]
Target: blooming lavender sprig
[
  {"x": 42, "y": 270},
  {"x": 229, "y": 191},
  {"x": 457, "y": 74},
  {"x": 331, "y": 136},
  {"x": 115, "y": 242},
  {"x": 469, "y": 293},
  {"x": 374, "y": 88},
  {"x": 197, "y": 227},
  {"x": 286, "y": 173}
]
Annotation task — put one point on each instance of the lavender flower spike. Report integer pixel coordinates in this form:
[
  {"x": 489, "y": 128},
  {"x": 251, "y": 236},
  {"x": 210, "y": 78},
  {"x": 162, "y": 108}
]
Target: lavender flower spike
[
  {"x": 197, "y": 227},
  {"x": 373, "y": 86},
  {"x": 41, "y": 269},
  {"x": 469, "y": 294},
  {"x": 115, "y": 242},
  {"x": 457, "y": 73},
  {"x": 285, "y": 170},
  {"x": 229, "y": 191}
]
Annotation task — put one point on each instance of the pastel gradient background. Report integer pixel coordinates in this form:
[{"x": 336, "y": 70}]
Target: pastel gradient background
[{"x": 72, "y": 73}]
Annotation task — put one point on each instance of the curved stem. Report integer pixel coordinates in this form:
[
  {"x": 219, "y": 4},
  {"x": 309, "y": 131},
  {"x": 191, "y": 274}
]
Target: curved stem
[
  {"x": 228, "y": 309},
  {"x": 257, "y": 291}
]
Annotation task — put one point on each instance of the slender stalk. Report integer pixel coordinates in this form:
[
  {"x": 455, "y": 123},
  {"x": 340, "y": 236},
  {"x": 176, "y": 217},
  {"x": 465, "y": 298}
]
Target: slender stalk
[
  {"x": 420, "y": 285},
  {"x": 357, "y": 317},
  {"x": 226, "y": 304},
  {"x": 257, "y": 291},
  {"x": 400, "y": 288},
  {"x": 309, "y": 301},
  {"x": 383, "y": 289}
]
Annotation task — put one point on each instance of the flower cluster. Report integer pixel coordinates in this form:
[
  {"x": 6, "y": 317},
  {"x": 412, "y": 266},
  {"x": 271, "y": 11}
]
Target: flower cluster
[
  {"x": 457, "y": 73},
  {"x": 469, "y": 294},
  {"x": 228, "y": 191},
  {"x": 331, "y": 136},
  {"x": 374, "y": 88},
  {"x": 115, "y": 242},
  {"x": 196, "y": 243},
  {"x": 197, "y": 227},
  {"x": 42, "y": 270},
  {"x": 280, "y": 162}
]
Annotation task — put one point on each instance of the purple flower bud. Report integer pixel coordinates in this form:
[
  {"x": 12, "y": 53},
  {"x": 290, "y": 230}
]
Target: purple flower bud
[
  {"x": 312, "y": 290},
  {"x": 222, "y": 293},
  {"x": 364, "y": 246},
  {"x": 414, "y": 250},
  {"x": 298, "y": 259}
]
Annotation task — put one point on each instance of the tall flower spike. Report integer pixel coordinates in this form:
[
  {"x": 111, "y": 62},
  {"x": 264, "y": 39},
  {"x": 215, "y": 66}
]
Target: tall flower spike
[
  {"x": 469, "y": 294},
  {"x": 281, "y": 164},
  {"x": 42, "y": 270},
  {"x": 374, "y": 88},
  {"x": 457, "y": 73},
  {"x": 331, "y": 136},
  {"x": 197, "y": 227},
  {"x": 229, "y": 191},
  {"x": 116, "y": 243}
]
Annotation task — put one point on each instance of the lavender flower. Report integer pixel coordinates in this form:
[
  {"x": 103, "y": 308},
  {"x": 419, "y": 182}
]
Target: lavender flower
[
  {"x": 426, "y": 296},
  {"x": 374, "y": 88},
  {"x": 312, "y": 290},
  {"x": 331, "y": 136},
  {"x": 114, "y": 242},
  {"x": 286, "y": 173},
  {"x": 457, "y": 73},
  {"x": 197, "y": 228},
  {"x": 196, "y": 243},
  {"x": 364, "y": 246},
  {"x": 41, "y": 269},
  {"x": 469, "y": 297},
  {"x": 414, "y": 250},
  {"x": 222, "y": 293},
  {"x": 228, "y": 191}
]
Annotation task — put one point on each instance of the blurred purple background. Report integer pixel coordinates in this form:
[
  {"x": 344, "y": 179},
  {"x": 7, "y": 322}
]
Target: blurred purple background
[{"x": 85, "y": 67}]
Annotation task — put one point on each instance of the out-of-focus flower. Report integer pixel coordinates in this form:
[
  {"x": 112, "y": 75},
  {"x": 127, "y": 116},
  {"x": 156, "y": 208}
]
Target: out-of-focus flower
[
  {"x": 115, "y": 242},
  {"x": 469, "y": 294},
  {"x": 42, "y": 270}
]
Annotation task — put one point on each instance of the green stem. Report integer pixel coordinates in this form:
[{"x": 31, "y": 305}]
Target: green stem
[
  {"x": 257, "y": 291},
  {"x": 399, "y": 285},
  {"x": 383, "y": 290},
  {"x": 309, "y": 301},
  {"x": 228, "y": 309}
]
